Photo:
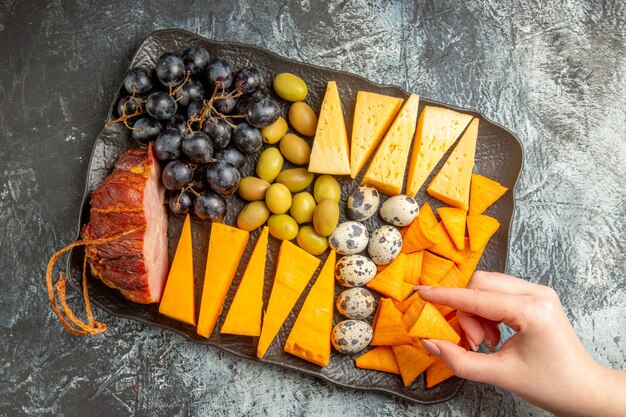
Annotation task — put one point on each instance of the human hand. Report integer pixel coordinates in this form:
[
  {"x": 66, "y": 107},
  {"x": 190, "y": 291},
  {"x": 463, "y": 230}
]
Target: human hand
[{"x": 544, "y": 362}]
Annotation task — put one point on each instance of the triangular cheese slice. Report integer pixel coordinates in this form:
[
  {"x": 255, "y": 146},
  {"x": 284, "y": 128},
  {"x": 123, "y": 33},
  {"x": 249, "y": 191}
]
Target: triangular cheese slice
[
  {"x": 454, "y": 220},
  {"x": 390, "y": 281},
  {"x": 444, "y": 246},
  {"x": 452, "y": 183},
  {"x": 310, "y": 336},
  {"x": 330, "y": 153},
  {"x": 178, "y": 301},
  {"x": 244, "y": 315},
  {"x": 437, "y": 129},
  {"x": 380, "y": 358},
  {"x": 470, "y": 260},
  {"x": 412, "y": 361},
  {"x": 484, "y": 192},
  {"x": 373, "y": 113},
  {"x": 387, "y": 169},
  {"x": 432, "y": 325},
  {"x": 294, "y": 270},
  {"x": 420, "y": 234},
  {"x": 412, "y": 313},
  {"x": 454, "y": 279},
  {"x": 434, "y": 268},
  {"x": 413, "y": 267},
  {"x": 437, "y": 373},
  {"x": 226, "y": 246},
  {"x": 389, "y": 329},
  {"x": 480, "y": 228}
]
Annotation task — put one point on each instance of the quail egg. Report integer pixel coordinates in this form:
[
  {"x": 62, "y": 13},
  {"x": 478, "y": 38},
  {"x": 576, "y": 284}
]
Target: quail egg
[
  {"x": 399, "y": 210},
  {"x": 351, "y": 336},
  {"x": 356, "y": 303},
  {"x": 355, "y": 270},
  {"x": 384, "y": 245},
  {"x": 363, "y": 203},
  {"x": 349, "y": 238}
]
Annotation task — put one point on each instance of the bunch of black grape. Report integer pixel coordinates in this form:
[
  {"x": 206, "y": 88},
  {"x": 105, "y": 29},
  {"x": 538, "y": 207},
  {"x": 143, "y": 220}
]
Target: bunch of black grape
[{"x": 204, "y": 119}]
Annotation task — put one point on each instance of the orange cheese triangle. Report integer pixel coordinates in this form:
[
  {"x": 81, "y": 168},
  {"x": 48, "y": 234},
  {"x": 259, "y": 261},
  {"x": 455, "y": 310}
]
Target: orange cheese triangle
[
  {"x": 434, "y": 268},
  {"x": 373, "y": 113},
  {"x": 454, "y": 278},
  {"x": 387, "y": 169},
  {"x": 413, "y": 312},
  {"x": 244, "y": 315},
  {"x": 412, "y": 361},
  {"x": 380, "y": 358},
  {"x": 309, "y": 338},
  {"x": 452, "y": 183},
  {"x": 294, "y": 270},
  {"x": 432, "y": 325},
  {"x": 330, "y": 153},
  {"x": 483, "y": 193},
  {"x": 420, "y": 234},
  {"x": 390, "y": 281},
  {"x": 389, "y": 329},
  {"x": 413, "y": 267},
  {"x": 470, "y": 260},
  {"x": 437, "y": 129},
  {"x": 226, "y": 246},
  {"x": 178, "y": 300},
  {"x": 454, "y": 220},
  {"x": 445, "y": 246},
  {"x": 480, "y": 228},
  {"x": 437, "y": 373}
]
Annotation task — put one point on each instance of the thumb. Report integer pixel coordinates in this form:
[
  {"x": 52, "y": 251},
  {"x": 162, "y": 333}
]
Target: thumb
[{"x": 465, "y": 364}]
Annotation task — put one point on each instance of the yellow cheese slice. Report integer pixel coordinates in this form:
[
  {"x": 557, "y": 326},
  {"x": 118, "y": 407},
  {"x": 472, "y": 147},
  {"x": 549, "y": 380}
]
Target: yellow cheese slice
[
  {"x": 310, "y": 337},
  {"x": 386, "y": 171},
  {"x": 244, "y": 315},
  {"x": 178, "y": 297},
  {"x": 437, "y": 130},
  {"x": 373, "y": 113},
  {"x": 452, "y": 183},
  {"x": 330, "y": 153},
  {"x": 226, "y": 245},
  {"x": 294, "y": 270}
]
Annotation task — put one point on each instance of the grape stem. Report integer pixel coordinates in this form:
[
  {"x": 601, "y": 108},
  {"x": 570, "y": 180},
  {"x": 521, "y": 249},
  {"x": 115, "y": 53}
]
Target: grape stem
[
  {"x": 208, "y": 110},
  {"x": 124, "y": 117}
]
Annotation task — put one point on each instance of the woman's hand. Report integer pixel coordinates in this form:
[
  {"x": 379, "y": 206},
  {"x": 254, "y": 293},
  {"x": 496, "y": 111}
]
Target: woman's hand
[{"x": 543, "y": 362}]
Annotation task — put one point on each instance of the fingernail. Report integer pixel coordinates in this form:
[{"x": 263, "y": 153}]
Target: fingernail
[
  {"x": 472, "y": 345},
  {"x": 489, "y": 345},
  {"x": 421, "y": 287},
  {"x": 432, "y": 348}
]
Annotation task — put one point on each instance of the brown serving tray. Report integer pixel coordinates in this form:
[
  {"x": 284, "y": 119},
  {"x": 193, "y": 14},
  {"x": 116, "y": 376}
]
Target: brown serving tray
[{"x": 499, "y": 155}]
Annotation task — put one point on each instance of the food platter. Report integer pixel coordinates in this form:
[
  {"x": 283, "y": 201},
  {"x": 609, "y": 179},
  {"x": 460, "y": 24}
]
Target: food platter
[{"x": 498, "y": 155}]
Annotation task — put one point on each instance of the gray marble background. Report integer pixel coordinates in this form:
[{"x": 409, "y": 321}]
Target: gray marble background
[{"x": 551, "y": 71}]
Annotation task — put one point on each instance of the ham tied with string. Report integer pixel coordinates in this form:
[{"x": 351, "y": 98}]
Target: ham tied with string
[{"x": 131, "y": 197}]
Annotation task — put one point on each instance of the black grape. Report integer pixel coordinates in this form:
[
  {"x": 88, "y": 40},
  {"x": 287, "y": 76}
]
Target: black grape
[
  {"x": 170, "y": 69},
  {"x": 146, "y": 129},
  {"x": 196, "y": 59},
  {"x": 262, "y": 112},
  {"x": 210, "y": 206},
  {"x": 126, "y": 106},
  {"x": 161, "y": 105},
  {"x": 247, "y": 138},
  {"x": 218, "y": 131},
  {"x": 197, "y": 147},
  {"x": 192, "y": 90},
  {"x": 232, "y": 156},
  {"x": 194, "y": 109},
  {"x": 219, "y": 70},
  {"x": 139, "y": 80},
  {"x": 225, "y": 105},
  {"x": 248, "y": 80},
  {"x": 168, "y": 145},
  {"x": 178, "y": 121},
  {"x": 181, "y": 203},
  {"x": 223, "y": 178},
  {"x": 176, "y": 174}
]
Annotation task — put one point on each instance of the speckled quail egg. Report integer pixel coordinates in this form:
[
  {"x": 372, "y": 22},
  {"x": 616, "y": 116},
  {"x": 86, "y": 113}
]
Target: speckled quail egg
[
  {"x": 349, "y": 238},
  {"x": 355, "y": 270},
  {"x": 399, "y": 210},
  {"x": 356, "y": 303},
  {"x": 384, "y": 245},
  {"x": 351, "y": 336},
  {"x": 363, "y": 203}
]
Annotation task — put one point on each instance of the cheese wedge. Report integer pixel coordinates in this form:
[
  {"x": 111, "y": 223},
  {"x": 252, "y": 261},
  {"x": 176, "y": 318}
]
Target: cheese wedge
[
  {"x": 484, "y": 193},
  {"x": 226, "y": 246},
  {"x": 480, "y": 228},
  {"x": 452, "y": 183},
  {"x": 380, "y": 358},
  {"x": 412, "y": 361},
  {"x": 373, "y": 113},
  {"x": 310, "y": 336},
  {"x": 244, "y": 315},
  {"x": 386, "y": 171},
  {"x": 454, "y": 220},
  {"x": 437, "y": 130},
  {"x": 294, "y": 270},
  {"x": 432, "y": 325},
  {"x": 390, "y": 281},
  {"x": 330, "y": 153},
  {"x": 178, "y": 300},
  {"x": 388, "y": 327}
]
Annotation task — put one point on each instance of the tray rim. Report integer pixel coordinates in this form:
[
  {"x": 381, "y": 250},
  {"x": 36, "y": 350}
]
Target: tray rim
[{"x": 86, "y": 193}]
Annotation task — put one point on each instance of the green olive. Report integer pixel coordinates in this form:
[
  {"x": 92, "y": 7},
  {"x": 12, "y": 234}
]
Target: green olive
[
  {"x": 326, "y": 188},
  {"x": 275, "y": 131},
  {"x": 302, "y": 207},
  {"x": 278, "y": 198},
  {"x": 253, "y": 215},
  {"x": 295, "y": 149},
  {"x": 290, "y": 87},
  {"x": 326, "y": 217},
  {"x": 303, "y": 118},
  {"x": 310, "y": 241},
  {"x": 282, "y": 226},
  {"x": 269, "y": 164},
  {"x": 296, "y": 179},
  {"x": 253, "y": 188}
]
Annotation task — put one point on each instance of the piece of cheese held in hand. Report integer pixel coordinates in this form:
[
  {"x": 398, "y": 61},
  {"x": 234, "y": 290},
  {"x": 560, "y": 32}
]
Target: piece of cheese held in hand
[
  {"x": 244, "y": 315},
  {"x": 386, "y": 171},
  {"x": 330, "y": 153},
  {"x": 484, "y": 192},
  {"x": 373, "y": 113},
  {"x": 452, "y": 183},
  {"x": 294, "y": 270},
  {"x": 178, "y": 301},
  {"x": 226, "y": 246},
  {"x": 380, "y": 358},
  {"x": 310, "y": 336},
  {"x": 437, "y": 129}
]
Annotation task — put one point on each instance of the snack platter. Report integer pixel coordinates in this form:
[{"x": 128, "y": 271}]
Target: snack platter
[{"x": 499, "y": 155}]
